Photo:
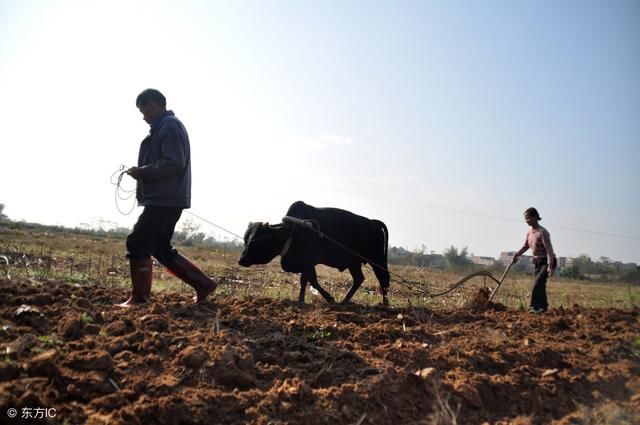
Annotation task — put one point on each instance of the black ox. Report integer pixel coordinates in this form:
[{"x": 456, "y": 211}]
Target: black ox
[{"x": 309, "y": 236}]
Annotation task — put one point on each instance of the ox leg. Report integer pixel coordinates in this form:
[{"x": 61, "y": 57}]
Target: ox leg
[
  {"x": 304, "y": 278},
  {"x": 313, "y": 279},
  {"x": 358, "y": 278},
  {"x": 383, "y": 277}
]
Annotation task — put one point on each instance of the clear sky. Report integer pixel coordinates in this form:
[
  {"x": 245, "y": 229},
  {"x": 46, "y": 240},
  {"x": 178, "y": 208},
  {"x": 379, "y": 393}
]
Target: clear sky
[{"x": 444, "y": 119}]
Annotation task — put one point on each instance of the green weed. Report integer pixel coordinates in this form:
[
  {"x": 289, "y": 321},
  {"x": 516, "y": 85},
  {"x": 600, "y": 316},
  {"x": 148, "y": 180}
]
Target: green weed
[
  {"x": 632, "y": 297},
  {"x": 635, "y": 347},
  {"x": 316, "y": 334},
  {"x": 522, "y": 303},
  {"x": 86, "y": 318},
  {"x": 47, "y": 340}
]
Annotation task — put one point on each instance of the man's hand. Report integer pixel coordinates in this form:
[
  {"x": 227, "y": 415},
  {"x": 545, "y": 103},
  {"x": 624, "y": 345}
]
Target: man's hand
[
  {"x": 549, "y": 271},
  {"x": 514, "y": 259},
  {"x": 134, "y": 172}
]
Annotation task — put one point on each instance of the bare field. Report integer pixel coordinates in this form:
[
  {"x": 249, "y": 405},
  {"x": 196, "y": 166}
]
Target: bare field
[{"x": 254, "y": 355}]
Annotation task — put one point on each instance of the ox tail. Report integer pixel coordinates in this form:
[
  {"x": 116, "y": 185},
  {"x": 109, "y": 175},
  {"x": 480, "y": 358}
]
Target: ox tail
[
  {"x": 385, "y": 233},
  {"x": 382, "y": 271}
]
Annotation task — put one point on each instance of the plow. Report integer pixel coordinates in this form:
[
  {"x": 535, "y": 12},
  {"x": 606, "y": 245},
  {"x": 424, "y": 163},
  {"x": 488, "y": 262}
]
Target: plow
[{"x": 480, "y": 273}]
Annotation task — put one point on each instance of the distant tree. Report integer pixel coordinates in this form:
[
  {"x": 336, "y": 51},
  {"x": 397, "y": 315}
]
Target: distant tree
[
  {"x": 188, "y": 234},
  {"x": 190, "y": 227},
  {"x": 118, "y": 231},
  {"x": 197, "y": 238},
  {"x": 571, "y": 272},
  {"x": 3, "y": 217},
  {"x": 457, "y": 259},
  {"x": 631, "y": 276}
]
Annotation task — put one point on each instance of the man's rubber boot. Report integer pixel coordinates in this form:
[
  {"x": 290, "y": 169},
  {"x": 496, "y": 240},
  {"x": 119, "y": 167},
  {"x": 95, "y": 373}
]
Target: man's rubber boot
[
  {"x": 141, "y": 279},
  {"x": 188, "y": 272}
]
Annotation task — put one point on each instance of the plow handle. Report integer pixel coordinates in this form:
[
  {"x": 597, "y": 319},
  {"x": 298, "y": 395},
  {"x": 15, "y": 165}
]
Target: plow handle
[{"x": 500, "y": 282}]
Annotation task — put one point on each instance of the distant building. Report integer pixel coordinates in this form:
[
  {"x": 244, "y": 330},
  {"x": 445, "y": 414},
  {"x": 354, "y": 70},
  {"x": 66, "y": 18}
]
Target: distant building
[
  {"x": 620, "y": 266},
  {"x": 582, "y": 259},
  {"x": 526, "y": 260},
  {"x": 483, "y": 261},
  {"x": 562, "y": 263},
  {"x": 506, "y": 258}
]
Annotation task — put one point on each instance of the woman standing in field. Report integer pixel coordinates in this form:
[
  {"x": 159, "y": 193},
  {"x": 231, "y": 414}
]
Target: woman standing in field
[{"x": 544, "y": 260}]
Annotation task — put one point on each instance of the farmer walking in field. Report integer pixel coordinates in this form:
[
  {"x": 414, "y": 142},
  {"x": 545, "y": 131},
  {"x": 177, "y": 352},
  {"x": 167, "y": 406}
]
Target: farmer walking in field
[
  {"x": 544, "y": 260},
  {"x": 163, "y": 188}
]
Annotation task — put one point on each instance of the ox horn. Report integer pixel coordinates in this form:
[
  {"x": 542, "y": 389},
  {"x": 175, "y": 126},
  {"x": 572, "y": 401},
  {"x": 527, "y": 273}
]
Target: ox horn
[{"x": 298, "y": 221}]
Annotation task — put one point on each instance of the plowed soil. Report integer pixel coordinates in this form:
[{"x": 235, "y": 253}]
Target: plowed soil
[{"x": 266, "y": 361}]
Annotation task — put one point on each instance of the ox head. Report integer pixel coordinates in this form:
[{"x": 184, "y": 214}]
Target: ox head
[{"x": 261, "y": 244}]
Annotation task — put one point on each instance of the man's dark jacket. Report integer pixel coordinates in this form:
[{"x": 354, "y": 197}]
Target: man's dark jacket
[{"x": 165, "y": 165}]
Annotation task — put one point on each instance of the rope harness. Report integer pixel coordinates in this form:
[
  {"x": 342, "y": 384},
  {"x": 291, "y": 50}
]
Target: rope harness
[{"x": 122, "y": 194}]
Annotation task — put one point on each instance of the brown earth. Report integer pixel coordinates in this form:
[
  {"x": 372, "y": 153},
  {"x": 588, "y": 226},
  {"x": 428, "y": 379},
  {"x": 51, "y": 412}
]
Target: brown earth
[{"x": 265, "y": 361}]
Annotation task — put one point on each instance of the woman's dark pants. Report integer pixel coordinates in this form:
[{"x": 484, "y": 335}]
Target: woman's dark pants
[{"x": 539, "y": 293}]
